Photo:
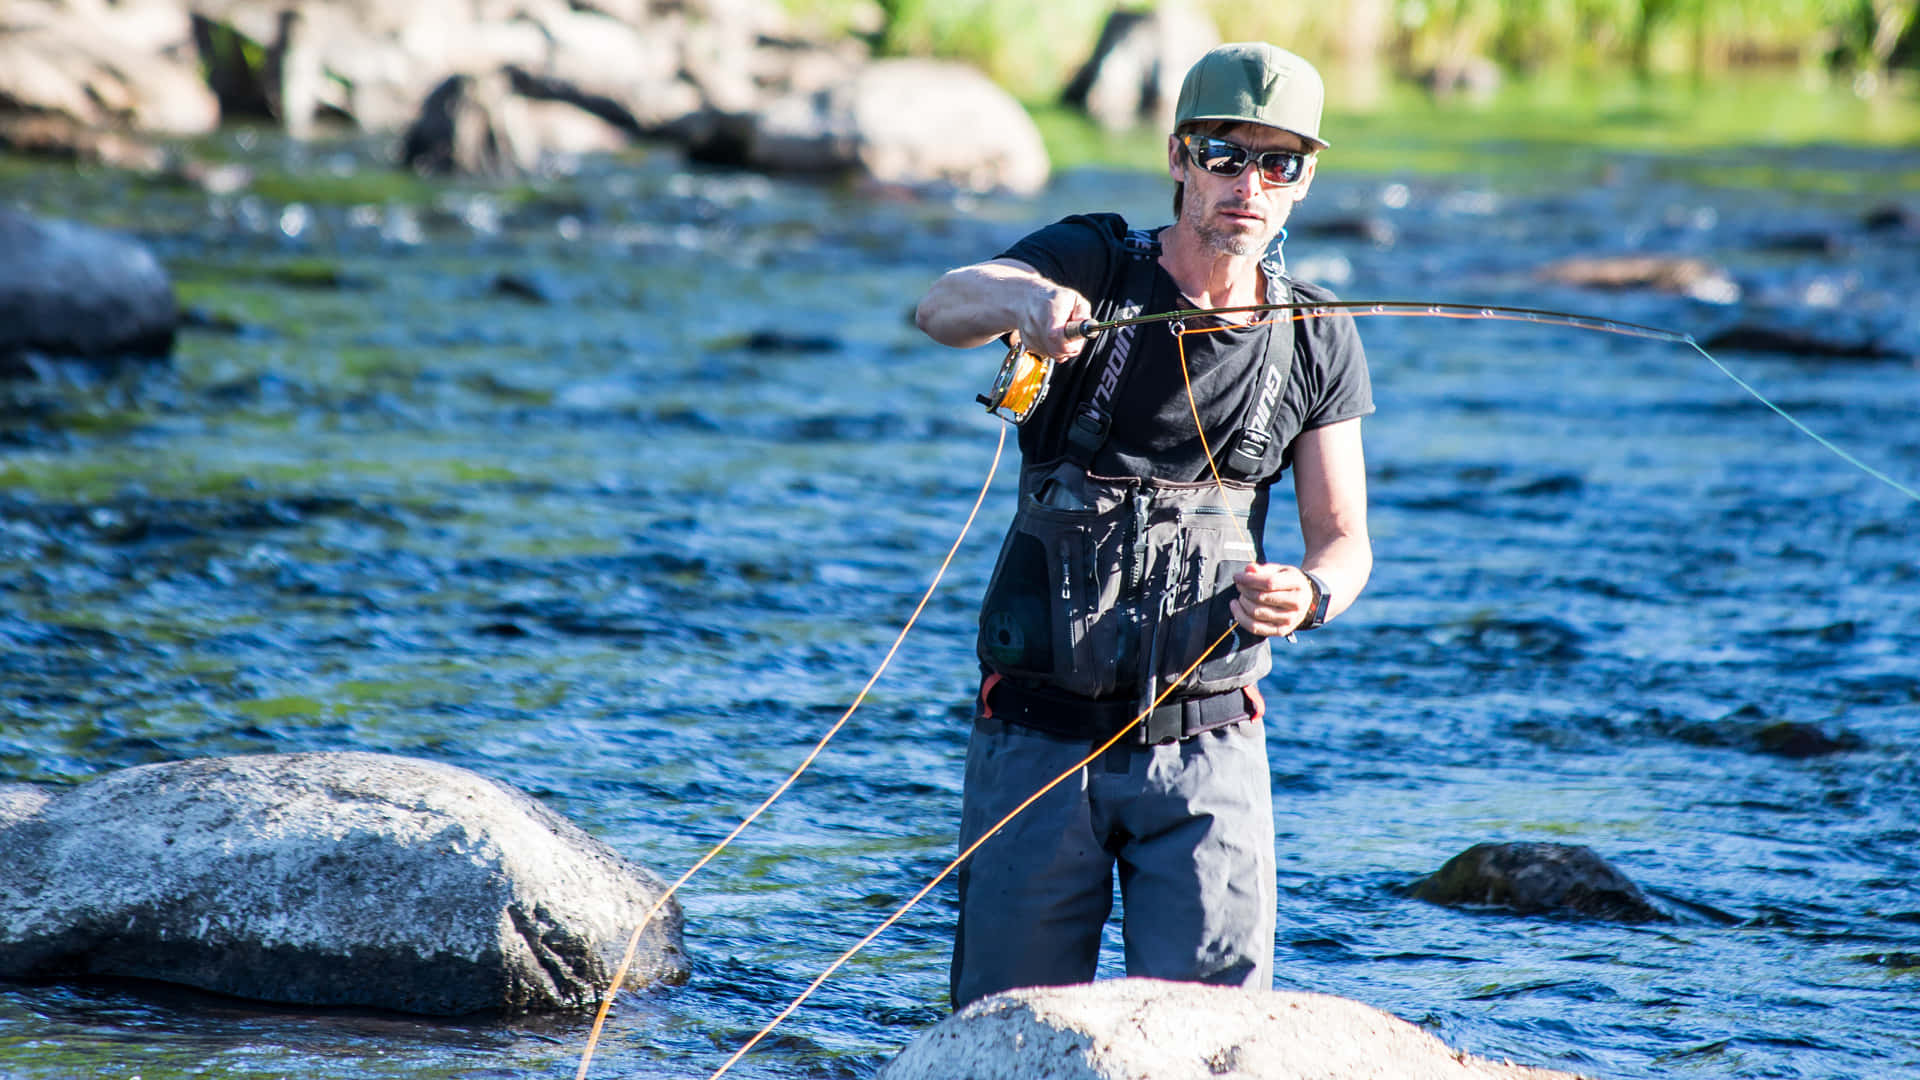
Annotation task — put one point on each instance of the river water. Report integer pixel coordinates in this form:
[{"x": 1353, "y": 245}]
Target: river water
[{"x": 617, "y": 487}]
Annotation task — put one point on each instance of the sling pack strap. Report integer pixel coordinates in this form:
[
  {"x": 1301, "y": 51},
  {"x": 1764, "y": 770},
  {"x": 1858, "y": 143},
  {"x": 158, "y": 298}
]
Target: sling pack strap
[
  {"x": 1248, "y": 451},
  {"x": 1246, "y": 455},
  {"x": 1093, "y": 422}
]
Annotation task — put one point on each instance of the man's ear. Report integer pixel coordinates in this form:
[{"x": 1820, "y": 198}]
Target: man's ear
[{"x": 1176, "y": 159}]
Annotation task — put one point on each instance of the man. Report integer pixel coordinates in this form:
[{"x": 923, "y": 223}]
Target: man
[{"x": 1126, "y": 560}]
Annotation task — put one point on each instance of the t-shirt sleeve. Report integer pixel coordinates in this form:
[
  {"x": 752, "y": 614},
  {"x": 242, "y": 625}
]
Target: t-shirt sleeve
[
  {"x": 1075, "y": 252},
  {"x": 1337, "y": 384}
]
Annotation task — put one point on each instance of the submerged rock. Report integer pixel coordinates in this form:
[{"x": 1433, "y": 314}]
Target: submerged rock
[
  {"x": 1135, "y": 1029},
  {"x": 1535, "y": 879},
  {"x": 71, "y": 290},
  {"x": 1751, "y": 338},
  {"x": 349, "y": 879}
]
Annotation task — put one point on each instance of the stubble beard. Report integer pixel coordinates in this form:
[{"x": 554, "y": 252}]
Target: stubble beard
[{"x": 1214, "y": 237}]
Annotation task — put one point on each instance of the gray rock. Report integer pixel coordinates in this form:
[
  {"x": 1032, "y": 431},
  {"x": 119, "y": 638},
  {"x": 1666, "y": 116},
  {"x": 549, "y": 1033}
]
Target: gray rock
[
  {"x": 72, "y": 290},
  {"x": 1533, "y": 878},
  {"x": 19, "y": 801},
  {"x": 907, "y": 122},
  {"x": 1145, "y": 1029},
  {"x": 1134, "y": 75},
  {"x": 1696, "y": 278},
  {"x": 480, "y": 125},
  {"x": 349, "y": 879},
  {"x": 129, "y": 65}
]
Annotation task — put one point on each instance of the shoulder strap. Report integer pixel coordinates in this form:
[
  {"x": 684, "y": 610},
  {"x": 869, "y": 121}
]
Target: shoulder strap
[
  {"x": 1255, "y": 437},
  {"x": 1093, "y": 421}
]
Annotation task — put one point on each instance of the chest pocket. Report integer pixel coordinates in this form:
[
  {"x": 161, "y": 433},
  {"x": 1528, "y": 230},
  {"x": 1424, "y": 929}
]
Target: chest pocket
[{"x": 1112, "y": 588}]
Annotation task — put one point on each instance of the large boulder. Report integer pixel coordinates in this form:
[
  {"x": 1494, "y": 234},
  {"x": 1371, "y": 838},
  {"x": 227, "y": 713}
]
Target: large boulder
[
  {"x": 71, "y": 290},
  {"x": 349, "y": 879},
  {"x": 646, "y": 66},
  {"x": 908, "y": 122},
  {"x": 1134, "y": 75},
  {"x": 127, "y": 65},
  {"x": 1145, "y": 1029},
  {"x": 479, "y": 125},
  {"x": 1535, "y": 879}
]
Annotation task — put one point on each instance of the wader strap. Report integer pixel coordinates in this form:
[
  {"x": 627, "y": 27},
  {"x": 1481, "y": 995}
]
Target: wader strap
[
  {"x": 1078, "y": 718},
  {"x": 1255, "y": 437},
  {"x": 1088, "y": 431},
  {"x": 987, "y": 684}
]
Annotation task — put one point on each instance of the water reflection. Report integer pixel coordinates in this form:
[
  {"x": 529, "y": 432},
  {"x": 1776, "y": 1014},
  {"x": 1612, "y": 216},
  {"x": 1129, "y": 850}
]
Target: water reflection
[{"x": 630, "y": 533}]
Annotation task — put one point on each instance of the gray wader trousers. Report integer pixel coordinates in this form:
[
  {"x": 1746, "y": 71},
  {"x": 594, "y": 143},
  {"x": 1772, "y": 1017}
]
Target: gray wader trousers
[{"x": 1189, "y": 823}]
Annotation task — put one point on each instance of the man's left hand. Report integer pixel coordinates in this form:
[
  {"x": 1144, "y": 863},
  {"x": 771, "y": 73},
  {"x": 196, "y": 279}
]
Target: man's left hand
[{"x": 1274, "y": 599}]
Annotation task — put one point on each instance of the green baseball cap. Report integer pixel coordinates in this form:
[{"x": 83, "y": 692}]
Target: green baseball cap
[{"x": 1254, "y": 82}]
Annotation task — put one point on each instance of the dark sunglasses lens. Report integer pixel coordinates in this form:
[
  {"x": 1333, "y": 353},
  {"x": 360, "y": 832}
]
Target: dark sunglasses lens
[
  {"x": 1217, "y": 156},
  {"x": 1282, "y": 166}
]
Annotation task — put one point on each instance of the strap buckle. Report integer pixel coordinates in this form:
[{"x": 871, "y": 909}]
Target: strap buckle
[
  {"x": 1163, "y": 724},
  {"x": 1250, "y": 449}
]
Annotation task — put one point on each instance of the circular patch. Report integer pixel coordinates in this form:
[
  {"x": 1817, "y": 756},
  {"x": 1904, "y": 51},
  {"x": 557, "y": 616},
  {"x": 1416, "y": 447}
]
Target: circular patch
[{"x": 1005, "y": 638}]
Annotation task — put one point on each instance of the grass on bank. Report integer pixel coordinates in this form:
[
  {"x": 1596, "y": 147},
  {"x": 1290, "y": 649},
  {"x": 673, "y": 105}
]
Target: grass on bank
[
  {"x": 1033, "y": 49},
  {"x": 1560, "y": 121}
]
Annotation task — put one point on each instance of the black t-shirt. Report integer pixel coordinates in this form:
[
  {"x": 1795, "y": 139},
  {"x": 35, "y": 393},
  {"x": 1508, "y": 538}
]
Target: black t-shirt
[{"x": 1153, "y": 429}]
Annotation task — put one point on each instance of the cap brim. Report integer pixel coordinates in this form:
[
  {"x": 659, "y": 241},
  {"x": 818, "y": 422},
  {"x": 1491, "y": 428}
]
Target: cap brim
[{"x": 1315, "y": 141}]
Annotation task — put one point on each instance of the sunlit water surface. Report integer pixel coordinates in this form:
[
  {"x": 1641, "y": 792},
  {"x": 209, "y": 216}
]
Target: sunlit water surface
[{"x": 617, "y": 488}]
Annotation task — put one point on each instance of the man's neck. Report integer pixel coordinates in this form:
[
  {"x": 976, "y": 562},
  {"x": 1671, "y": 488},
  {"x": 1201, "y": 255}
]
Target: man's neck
[{"x": 1207, "y": 276}]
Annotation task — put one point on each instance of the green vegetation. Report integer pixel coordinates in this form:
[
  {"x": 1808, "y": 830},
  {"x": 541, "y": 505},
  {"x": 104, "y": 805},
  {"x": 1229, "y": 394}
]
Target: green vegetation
[
  {"x": 1550, "y": 128},
  {"x": 1034, "y": 49}
]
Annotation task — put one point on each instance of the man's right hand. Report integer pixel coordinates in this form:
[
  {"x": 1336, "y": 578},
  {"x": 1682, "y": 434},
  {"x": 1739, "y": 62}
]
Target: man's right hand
[
  {"x": 1050, "y": 325},
  {"x": 976, "y": 304}
]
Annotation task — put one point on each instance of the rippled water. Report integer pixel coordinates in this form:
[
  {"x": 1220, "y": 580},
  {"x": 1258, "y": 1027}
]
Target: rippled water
[{"x": 617, "y": 489}]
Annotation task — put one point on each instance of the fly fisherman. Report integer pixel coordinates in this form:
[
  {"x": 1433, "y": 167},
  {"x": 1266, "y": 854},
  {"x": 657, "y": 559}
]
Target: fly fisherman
[{"x": 1124, "y": 561}]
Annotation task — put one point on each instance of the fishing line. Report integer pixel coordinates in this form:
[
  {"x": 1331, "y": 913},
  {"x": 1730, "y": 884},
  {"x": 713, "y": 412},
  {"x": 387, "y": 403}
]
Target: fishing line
[
  {"x": 888, "y": 922},
  {"x": 1807, "y": 431},
  {"x": 1495, "y": 312},
  {"x": 1022, "y": 382},
  {"x": 633, "y": 942}
]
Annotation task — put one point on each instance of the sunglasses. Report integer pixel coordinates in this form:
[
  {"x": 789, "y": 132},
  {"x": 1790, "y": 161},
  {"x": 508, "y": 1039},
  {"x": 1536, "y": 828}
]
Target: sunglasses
[{"x": 1222, "y": 158}]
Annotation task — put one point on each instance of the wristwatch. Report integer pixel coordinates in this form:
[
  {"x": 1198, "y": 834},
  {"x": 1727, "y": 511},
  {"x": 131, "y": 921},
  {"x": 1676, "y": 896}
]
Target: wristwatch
[{"x": 1322, "y": 598}]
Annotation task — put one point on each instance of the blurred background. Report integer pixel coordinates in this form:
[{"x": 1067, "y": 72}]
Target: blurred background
[{"x": 533, "y": 388}]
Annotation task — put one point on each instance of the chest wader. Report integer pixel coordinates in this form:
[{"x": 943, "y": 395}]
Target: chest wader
[{"x": 1109, "y": 588}]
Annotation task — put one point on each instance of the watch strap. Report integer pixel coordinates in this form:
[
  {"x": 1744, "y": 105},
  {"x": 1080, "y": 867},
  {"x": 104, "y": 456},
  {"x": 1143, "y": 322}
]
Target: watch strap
[{"x": 1322, "y": 601}]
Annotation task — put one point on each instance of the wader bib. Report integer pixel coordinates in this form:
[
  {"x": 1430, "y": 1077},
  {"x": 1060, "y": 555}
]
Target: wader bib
[{"x": 1109, "y": 588}]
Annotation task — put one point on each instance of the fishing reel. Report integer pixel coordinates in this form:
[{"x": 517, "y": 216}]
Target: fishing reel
[
  {"x": 1020, "y": 385},
  {"x": 1024, "y": 377}
]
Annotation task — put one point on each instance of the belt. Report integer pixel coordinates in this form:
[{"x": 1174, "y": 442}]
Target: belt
[{"x": 1084, "y": 718}]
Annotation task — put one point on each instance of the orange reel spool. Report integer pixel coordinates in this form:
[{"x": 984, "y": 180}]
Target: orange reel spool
[{"x": 1020, "y": 385}]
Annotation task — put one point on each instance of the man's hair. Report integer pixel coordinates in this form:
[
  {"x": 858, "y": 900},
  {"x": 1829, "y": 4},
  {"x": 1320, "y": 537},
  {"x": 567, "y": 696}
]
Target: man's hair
[{"x": 1194, "y": 127}]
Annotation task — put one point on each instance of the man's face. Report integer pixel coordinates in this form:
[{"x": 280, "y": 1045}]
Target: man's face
[{"x": 1241, "y": 214}]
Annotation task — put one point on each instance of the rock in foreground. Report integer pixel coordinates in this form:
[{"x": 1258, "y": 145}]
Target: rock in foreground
[
  {"x": 1146, "y": 1029},
  {"x": 70, "y": 290},
  {"x": 325, "y": 879}
]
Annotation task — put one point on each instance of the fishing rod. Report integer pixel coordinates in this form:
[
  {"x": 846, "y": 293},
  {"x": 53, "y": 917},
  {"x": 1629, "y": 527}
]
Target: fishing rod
[
  {"x": 1020, "y": 384},
  {"x": 1025, "y": 377}
]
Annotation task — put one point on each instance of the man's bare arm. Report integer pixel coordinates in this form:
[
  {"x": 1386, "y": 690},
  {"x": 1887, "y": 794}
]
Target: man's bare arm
[
  {"x": 1330, "y": 487},
  {"x": 972, "y": 305}
]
